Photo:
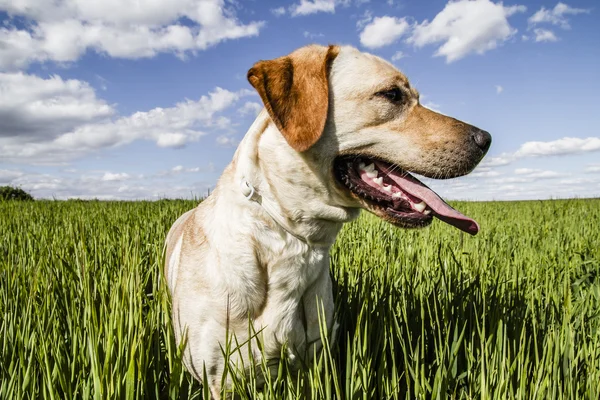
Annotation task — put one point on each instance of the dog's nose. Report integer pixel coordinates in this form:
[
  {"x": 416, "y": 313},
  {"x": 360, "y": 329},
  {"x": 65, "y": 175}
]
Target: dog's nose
[{"x": 482, "y": 138}]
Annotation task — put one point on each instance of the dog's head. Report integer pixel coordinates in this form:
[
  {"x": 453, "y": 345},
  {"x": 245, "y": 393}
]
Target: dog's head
[{"x": 358, "y": 121}]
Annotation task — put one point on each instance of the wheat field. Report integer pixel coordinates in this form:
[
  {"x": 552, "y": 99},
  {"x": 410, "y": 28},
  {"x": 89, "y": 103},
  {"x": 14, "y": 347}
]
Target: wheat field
[{"x": 512, "y": 313}]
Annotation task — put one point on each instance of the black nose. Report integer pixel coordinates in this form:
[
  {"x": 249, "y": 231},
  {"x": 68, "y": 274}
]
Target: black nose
[{"x": 482, "y": 138}]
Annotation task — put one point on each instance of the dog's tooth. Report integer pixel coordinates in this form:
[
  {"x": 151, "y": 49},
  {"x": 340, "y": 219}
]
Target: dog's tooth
[
  {"x": 371, "y": 174},
  {"x": 420, "y": 207},
  {"x": 378, "y": 181},
  {"x": 397, "y": 195},
  {"x": 387, "y": 188},
  {"x": 370, "y": 167},
  {"x": 427, "y": 212},
  {"x": 361, "y": 165}
]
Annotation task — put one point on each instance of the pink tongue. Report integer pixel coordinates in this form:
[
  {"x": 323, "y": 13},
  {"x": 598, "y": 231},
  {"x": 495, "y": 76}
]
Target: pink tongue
[{"x": 441, "y": 209}]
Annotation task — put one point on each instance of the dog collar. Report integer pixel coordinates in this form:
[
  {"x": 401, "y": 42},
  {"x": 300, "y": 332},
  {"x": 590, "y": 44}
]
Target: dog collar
[{"x": 251, "y": 194}]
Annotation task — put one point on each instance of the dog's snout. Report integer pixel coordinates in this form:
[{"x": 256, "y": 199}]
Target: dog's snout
[{"x": 482, "y": 138}]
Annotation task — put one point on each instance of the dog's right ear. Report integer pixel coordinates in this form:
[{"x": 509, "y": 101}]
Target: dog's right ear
[{"x": 295, "y": 91}]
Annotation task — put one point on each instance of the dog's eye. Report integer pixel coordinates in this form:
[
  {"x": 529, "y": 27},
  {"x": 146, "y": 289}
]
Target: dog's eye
[{"x": 394, "y": 95}]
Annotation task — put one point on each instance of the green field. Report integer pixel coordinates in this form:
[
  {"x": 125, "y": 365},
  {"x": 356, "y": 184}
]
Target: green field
[{"x": 513, "y": 312}]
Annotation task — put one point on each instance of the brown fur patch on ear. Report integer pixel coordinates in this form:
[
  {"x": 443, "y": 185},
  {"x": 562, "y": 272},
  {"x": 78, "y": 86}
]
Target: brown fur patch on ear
[{"x": 295, "y": 92}]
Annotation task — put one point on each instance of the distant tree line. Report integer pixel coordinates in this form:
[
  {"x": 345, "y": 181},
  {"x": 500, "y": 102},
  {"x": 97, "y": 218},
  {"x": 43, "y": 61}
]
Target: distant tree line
[{"x": 14, "y": 193}]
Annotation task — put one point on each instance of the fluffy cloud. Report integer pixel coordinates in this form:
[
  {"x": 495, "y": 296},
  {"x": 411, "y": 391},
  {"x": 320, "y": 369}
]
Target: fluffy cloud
[
  {"x": 120, "y": 176},
  {"x": 311, "y": 35},
  {"x": 250, "y": 108},
  {"x": 498, "y": 161},
  {"x": 364, "y": 19},
  {"x": 227, "y": 141},
  {"x": 306, "y": 7},
  {"x": 556, "y": 16},
  {"x": 383, "y": 31},
  {"x": 109, "y": 186},
  {"x": 168, "y": 127},
  {"x": 544, "y": 35},
  {"x": 499, "y": 89},
  {"x": 564, "y": 146},
  {"x": 432, "y": 106},
  {"x": 560, "y": 147},
  {"x": 537, "y": 173},
  {"x": 7, "y": 176},
  {"x": 398, "y": 56},
  {"x": 180, "y": 169},
  {"x": 590, "y": 169},
  {"x": 278, "y": 12},
  {"x": 485, "y": 172},
  {"x": 33, "y": 107},
  {"x": 63, "y": 30},
  {"x": 486, "y": 183},
  {"x": 466, "y": 26}
]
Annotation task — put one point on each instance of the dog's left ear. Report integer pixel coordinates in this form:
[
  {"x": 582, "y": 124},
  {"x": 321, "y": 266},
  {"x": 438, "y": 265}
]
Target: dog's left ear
[{"x": 295, "y": 91}]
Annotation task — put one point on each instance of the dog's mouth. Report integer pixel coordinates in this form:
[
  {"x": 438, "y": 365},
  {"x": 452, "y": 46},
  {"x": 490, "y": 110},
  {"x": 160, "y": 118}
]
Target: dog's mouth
[{"x": 395, "y": 195}]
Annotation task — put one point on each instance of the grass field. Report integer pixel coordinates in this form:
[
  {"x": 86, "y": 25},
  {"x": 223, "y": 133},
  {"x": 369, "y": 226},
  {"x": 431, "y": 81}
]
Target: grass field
[{"x": 511, "y": 313}]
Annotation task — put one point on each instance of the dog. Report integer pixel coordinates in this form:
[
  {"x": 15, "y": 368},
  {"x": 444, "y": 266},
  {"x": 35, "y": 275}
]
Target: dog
[{"x": 341, "y": 131}]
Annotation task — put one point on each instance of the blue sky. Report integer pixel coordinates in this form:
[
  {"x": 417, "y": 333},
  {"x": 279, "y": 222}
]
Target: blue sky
[{"x": 145, "y": 99}]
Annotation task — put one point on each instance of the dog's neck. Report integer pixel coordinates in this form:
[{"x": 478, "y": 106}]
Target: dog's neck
[{"x": 274, "y": 177}]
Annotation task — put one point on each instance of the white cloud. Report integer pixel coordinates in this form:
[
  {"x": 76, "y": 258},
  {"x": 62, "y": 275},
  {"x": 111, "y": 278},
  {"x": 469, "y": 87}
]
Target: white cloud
[
  {"x": 398, "y": 56},
  {"x": 364, "y": 19},
  {"x": 556, "y": 16},
  {"x": 34, "y": 107},
  {"x": 250, "y": 108},
  {"x": 499, "y": 89},
  {"x": 503, "y": 181},
  {"x": 310, "y": 35},
  {"x": 432, "y": 106},
  {"x": 466, "y": 26},
  {"x": 383, "y": 31},
  {"x": 227, "y": 141},
  {"x": 168, "y": 127},
  {"x": 180, "y": 169},
  {"x": 62, "y": 31},
  {"x": 7, "y": 176},
  {"x": 278, "y": 12},
  {"x": 102, "y": 81},
  {"x": 306, "y": 7},
  {"x": 119, "y": 176},
  {"x": 498, "y": 161},
  {"x": 578, "y": 181},
  {"x": 592, "y": 168},
  {"x": 525, "y": 171},
  {"x": 93, "y": 185},
  {"x": 173, "y": 140},
  {"x": 486, "y": 183},
  {"x": 544, "y": 35},
  {"x": 564, "y": 146},
  {"x": 537, "y": 173},
  {"x": 560, "y": 147},
  {"x": 483, "y": 172}
]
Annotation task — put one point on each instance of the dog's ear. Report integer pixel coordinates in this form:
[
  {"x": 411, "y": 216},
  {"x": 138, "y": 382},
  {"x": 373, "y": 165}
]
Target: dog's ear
[{"x": 295, "y": 92}]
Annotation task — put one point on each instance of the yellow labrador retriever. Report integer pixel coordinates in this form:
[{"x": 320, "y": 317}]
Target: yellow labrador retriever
[{"x": 341, "y": 130}]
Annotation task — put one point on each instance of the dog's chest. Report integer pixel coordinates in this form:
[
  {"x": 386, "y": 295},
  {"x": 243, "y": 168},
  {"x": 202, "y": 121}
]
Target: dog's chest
[
  {"x": 292, "y": 266},
  {"x": 294, "y": 270}
]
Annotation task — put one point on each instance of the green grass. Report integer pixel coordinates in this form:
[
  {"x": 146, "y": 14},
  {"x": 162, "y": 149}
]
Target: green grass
[{"x": 511, "y": 313}]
